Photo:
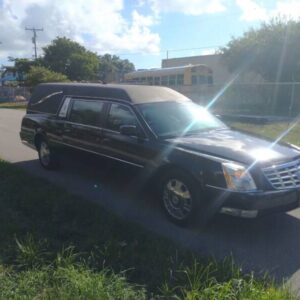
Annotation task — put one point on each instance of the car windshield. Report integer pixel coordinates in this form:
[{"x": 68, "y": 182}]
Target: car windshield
[{"x": 168, "y": 119}]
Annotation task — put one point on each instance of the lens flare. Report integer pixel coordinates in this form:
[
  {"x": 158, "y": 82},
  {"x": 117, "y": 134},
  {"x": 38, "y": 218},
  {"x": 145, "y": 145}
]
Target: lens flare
[{"x": 222, "y": 91}]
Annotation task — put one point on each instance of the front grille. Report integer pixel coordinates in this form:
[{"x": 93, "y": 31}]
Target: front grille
[{"x": 285, "y": 175}]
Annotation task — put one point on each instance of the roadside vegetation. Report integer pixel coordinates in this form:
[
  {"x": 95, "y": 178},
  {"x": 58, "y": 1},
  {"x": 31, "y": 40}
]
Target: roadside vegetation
[
  {"x": 272, "y": 130},
  {"x": 54, "y": 245},
  {"x": 13, "y": 105},
  {"x": 66, "y": 60}
]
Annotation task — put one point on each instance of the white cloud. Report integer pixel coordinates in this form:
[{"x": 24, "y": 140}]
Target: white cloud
[
  {"x": 97, "y": 24},
  {"x": 188, "y": 7},
  {"x": 255, "y": 11},
  {"x": 251, "y": 11},
  {"x": 288, "y": 9}
]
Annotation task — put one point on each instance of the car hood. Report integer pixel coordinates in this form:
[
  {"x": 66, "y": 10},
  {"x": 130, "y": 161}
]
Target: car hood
[{"x": 236, "y": 146}]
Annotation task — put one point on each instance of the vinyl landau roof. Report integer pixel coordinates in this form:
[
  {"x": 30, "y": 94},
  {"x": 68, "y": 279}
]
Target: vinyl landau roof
[{"x": 132, "y": 93}]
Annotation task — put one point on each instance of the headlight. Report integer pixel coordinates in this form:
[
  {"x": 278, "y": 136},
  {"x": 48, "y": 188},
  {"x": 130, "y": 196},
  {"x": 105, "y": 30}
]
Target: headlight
[{"x": 237, "y": 177}]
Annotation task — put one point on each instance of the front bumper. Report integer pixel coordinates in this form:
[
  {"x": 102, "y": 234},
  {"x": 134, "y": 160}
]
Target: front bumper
[{"x": 253, "y": 204}]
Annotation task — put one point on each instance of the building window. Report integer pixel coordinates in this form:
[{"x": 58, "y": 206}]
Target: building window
[
  {"x": 179, "y": 79},
  {"x": 202, "y": 79},
  {"x": 164, "y": 80},
  {"x": 156, "y": 80},
  {"x": 172, "y": 80},
  {"x": 194, "y": 80},
  {"x": 150, "y": 80}
]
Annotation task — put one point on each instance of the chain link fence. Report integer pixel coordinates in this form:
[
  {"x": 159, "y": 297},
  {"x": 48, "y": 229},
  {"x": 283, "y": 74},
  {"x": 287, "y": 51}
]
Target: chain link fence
[
  {"x": 260, "y": 99},
  {"x": 9, "y": 94}
]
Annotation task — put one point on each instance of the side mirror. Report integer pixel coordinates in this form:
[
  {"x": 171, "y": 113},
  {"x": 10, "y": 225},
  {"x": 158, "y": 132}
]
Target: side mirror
[{"x": 129, "y": 130}]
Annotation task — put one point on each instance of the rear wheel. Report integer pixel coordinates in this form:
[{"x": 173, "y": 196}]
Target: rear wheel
[
  {"x": 179, "y": 197},
  {"x": 47, "y": 157}
]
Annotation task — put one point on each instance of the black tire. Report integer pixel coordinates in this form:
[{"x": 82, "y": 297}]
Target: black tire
[
  {"x": 47, "y": 157},
  {"x": 179, "y": 197}
]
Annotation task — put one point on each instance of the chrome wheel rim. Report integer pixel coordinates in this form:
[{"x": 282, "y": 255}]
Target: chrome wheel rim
[
  {"x": 44, "y": 154},
  {"x": 177, "y": 199}
]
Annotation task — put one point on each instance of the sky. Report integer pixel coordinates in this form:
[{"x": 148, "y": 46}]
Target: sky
[{"x": 143, "y": 31}]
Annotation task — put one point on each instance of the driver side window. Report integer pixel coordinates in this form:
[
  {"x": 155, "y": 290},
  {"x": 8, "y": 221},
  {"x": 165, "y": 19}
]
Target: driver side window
[{"x": 118, "y": 116}]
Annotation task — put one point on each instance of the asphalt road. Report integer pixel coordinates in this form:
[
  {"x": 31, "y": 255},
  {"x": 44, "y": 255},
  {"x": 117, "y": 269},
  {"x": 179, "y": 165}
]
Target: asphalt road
[{"x": 268, "y": 244}]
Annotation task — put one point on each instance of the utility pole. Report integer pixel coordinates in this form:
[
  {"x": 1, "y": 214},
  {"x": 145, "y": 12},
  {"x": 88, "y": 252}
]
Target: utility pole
[{"x": 34, "y": 30}]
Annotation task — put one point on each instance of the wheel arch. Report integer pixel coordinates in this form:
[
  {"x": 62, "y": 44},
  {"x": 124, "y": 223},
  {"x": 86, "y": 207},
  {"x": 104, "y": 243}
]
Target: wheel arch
[
  {"x": 168, "y": 167},
  {"x": 38, "y": 137}
]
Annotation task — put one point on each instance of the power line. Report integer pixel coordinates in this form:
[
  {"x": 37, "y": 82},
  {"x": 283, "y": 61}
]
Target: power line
[
  {"x": 188, "y": 49},
  {"x": 34, "y": 30},
  {"x": 162, "y": 51},
  {"x": 191, "y": 49}
]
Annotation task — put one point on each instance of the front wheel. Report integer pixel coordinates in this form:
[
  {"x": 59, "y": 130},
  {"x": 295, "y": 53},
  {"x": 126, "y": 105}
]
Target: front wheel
[
  {"x": 179, "y": 197},
  {"x": 47, "y": 158}
]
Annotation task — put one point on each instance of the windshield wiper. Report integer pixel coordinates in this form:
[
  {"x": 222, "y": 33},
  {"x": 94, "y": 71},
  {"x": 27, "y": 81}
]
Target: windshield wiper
[{"x": 169, "y": 136}]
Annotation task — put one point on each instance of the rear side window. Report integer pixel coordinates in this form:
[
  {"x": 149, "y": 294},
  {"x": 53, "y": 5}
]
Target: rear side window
[
  {"x": 87, "y": 112},
  {"x": 118, "y": 116},
  {"x": 46, "y": 101}
]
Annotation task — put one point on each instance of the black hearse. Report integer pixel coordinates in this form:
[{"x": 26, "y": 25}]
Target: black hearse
[{"x": 200, "y": 166}]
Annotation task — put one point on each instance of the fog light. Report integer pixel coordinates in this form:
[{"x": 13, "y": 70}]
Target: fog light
[
  {"x": 249, "y": 213},
  {"x": 230, "y": 211},
  {"x": 239, "y": 212}
]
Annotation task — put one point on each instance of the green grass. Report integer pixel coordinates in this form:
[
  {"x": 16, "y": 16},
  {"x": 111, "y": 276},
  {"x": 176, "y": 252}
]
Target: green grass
[
  {"x": 57, "y": 246},
  {"x": 13, "y": 105},
  {"x": 272, "y": 131}
]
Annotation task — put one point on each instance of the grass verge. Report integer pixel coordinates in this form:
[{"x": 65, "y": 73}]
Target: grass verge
[
  {"x": 272, "y": 130},
  {"x": 14, "y": 105},
  {"x": 57, "y": 246}
]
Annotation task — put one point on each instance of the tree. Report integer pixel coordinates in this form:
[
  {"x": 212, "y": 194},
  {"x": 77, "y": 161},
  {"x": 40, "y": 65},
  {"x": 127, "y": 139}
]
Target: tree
[
  {"x": 71, "y": 59},
  {"x": 83, "y": 66},
  {"x": 124, "y": 66},
  {"x": 38, "y": 74},
  {"x": 271, "y": 51},
  {"x": 112, "y": 68}
]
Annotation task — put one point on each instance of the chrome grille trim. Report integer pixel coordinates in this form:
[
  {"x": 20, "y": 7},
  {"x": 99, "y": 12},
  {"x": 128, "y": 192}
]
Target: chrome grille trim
[{"x": 284, "y": 176}]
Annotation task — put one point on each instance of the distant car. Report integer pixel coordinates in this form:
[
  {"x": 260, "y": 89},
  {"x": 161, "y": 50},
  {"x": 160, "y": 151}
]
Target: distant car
[{"x": 200, "y": 166}]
